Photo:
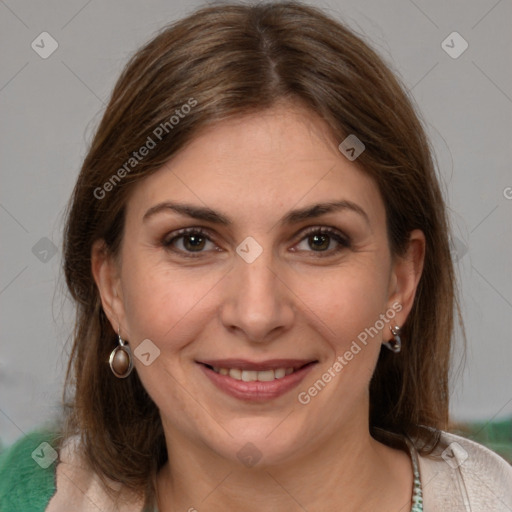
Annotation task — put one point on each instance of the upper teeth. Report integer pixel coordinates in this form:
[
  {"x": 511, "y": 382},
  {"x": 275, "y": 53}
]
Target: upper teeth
[{"x": 249, "y": 376}]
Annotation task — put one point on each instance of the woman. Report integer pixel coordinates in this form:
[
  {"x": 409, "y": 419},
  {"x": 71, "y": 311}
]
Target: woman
[{"x": 258, "y": 250}]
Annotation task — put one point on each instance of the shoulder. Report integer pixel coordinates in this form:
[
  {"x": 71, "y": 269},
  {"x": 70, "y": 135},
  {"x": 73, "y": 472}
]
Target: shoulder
[
  {"x": 80, "y": 488},
  {"x": 44, "y": 472},
  {"x": 463, "y": 475},
  {"x": 27, "y": 472}
]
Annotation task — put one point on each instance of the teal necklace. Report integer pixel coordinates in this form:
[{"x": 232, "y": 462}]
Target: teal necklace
[{"x": 417, "y": 495}]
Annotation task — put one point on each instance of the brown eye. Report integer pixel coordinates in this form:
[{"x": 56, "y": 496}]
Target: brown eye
[
  {"x": 324, "y": 240},
  {"x": 319, "y": 242},
  {"x": 187, "y": 241},
  {"x": 193, "y": 242}
]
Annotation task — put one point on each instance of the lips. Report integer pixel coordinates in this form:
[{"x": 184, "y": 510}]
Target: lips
[{"x": 256, "y": 381}]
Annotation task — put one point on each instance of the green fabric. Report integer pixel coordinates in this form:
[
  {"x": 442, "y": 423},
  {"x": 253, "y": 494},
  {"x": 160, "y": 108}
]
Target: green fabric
[
  {"x": 25, "y": 486},
  {"x": 496, "y": 435}
]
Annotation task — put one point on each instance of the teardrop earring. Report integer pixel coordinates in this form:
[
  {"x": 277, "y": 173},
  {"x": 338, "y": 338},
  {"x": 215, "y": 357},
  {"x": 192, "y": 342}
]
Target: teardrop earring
[{"x": 121, "y": 360}]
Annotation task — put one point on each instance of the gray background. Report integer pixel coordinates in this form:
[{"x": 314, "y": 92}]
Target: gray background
[{"x": 49, "y": 108}]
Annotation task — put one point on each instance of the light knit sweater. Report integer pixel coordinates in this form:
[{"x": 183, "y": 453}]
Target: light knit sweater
[{"x": 460, "y": 476}]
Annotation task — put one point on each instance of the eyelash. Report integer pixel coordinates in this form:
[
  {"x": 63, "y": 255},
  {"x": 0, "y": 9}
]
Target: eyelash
[{"x": 343, "y": 241}]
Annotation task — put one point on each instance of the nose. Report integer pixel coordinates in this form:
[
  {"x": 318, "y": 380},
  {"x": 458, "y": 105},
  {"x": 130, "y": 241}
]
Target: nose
[{"x": 258, "y": 304}]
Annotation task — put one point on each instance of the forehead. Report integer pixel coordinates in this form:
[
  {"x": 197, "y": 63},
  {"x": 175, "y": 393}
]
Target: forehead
[{"x": 259, "y": 165}]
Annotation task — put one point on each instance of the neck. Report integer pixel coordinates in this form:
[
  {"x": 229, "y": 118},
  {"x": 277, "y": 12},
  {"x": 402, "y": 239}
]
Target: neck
[{"x": 345, "y": 473}]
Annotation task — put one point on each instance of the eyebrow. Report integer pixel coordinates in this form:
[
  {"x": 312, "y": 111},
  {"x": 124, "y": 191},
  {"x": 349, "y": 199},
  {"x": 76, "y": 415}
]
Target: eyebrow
[{"x": 292, "y": 217}]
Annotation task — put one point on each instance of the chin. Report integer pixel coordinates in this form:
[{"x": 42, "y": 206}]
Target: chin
[{"x": 261, "y": 444}]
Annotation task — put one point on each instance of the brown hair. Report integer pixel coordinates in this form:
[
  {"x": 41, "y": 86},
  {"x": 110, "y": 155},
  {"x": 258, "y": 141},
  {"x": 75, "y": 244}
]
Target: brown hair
[{"x": 228, "y": 60}]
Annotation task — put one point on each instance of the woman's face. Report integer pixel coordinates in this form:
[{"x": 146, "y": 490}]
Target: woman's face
[{"x": 275, "y": 279}]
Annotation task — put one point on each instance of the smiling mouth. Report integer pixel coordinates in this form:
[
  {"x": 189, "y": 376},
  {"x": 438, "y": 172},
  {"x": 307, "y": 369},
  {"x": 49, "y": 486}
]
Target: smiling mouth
[
  {"x": 245, "y": 371},
  {"x": 251, "y": 375}
]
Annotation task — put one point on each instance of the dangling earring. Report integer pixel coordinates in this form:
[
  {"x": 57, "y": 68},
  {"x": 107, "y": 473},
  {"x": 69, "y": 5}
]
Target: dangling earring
[
  {"x": 395, "y": 345},
  {"x": 121, "y": 361}
]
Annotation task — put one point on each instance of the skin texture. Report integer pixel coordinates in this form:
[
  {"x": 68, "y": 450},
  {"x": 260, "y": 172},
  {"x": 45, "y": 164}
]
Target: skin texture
[{"x": 293, "y": 301}]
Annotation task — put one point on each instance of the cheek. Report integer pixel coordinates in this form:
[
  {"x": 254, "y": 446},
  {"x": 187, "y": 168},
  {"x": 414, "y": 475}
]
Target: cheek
[
  {"x": 161, "y": 303},
  {"x": 345, "y": 301}
]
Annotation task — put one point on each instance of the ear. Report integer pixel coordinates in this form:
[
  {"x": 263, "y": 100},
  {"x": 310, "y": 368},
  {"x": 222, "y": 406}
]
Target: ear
[
  {"x": 405, "y": 276},
  {"x": 106, "y": 273}
]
